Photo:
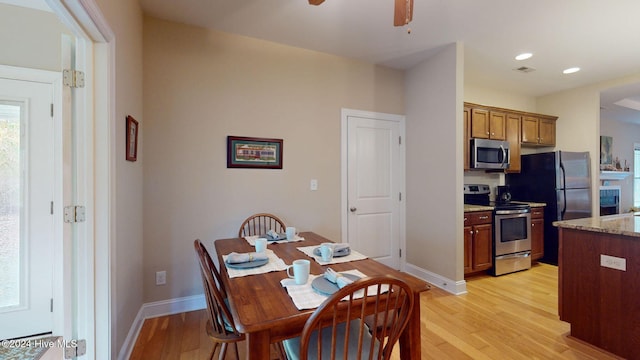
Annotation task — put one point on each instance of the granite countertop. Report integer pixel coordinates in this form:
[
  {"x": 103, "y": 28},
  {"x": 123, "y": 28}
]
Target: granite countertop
[
  {"x": 622, "y": 224},
  {"x": 473, "y": 208}
]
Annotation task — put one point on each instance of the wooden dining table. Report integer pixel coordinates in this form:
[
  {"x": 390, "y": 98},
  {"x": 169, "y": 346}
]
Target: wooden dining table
[{"x": 264, "y": 312}]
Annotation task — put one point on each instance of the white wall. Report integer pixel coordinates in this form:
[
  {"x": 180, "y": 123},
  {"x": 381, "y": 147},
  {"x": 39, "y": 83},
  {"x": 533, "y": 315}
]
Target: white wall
[
  {"x": 625, "y": 135},
  {"x": 125, "y": 19},
  {"x": 578, "y": 127},
  {"x": 434, "y": 166},
  {"x": 201, "y": 86}
]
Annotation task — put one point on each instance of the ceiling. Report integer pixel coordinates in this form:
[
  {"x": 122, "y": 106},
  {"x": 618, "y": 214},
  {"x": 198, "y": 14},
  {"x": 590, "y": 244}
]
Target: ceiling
[{"x": 600, "y": 37}]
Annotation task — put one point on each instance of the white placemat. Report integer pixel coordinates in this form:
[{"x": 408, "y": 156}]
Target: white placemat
[
  {"x": 353, "y": 256},
  {"x": 304, "y": 297},
  {"x": 252, "y": 240},
  {"x": 274, "y": 264}
]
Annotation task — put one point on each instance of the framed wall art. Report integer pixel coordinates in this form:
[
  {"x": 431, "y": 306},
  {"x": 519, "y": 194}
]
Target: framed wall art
[
  {"x": 250, "y": 152},
  {"x": 132, "y": 139},
  {"x": 606, "y": 156}
]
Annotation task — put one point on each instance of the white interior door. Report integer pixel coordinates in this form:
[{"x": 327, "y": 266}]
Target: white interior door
[
  {"x": 374, "y": 167},
  {"x": 26, "y": 196}
]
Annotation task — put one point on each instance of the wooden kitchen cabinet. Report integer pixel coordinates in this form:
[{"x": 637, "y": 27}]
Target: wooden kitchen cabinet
[
  {"x": 478, "y": 238},
  {"x": 538, "y": 131},
  {"x": 537, "y": 233},
  {"x": 513, "y": 126},
  {"x": 519, "y": 128},
  {"x": 486, "y": 124}
]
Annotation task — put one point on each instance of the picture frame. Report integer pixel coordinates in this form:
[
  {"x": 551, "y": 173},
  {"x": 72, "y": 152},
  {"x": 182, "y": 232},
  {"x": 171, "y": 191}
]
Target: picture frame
[
  {"x": 132, "y": 139},
  {"x": 254, "y": 153},
  {"x": 606, "y": 156}
]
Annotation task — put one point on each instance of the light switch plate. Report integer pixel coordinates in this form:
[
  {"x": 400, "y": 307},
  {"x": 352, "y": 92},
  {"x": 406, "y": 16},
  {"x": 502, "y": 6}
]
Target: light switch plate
[{"x": 314, "y": 184}]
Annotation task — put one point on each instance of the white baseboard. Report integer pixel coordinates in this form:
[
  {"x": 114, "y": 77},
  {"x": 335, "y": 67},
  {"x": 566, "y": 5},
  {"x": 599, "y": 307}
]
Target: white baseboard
[
  {"x": 454, "y": 287},
  {"x": 155, "y": 309}
]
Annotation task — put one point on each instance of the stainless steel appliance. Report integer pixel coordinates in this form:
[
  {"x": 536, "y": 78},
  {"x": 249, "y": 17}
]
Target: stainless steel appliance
[
  {"x": 512, "y": 238},
  {"x": 489, "y": 154},
  {"x": 511, "y": 228},
  {"x": 562, "y": 181}
]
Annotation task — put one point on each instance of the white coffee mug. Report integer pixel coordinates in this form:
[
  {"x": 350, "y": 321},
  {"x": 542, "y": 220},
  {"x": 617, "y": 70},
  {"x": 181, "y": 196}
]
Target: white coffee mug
[
  {"x": 300, "y": 271},
  {"x": 291, "y": 233},
  {"x": 326, "y": 252},
  {"x": 261, "y": 245}
]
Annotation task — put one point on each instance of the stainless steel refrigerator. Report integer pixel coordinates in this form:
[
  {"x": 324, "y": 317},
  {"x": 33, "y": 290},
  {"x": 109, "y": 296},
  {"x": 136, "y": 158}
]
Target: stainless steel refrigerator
[{"x": 562, "y": 180}]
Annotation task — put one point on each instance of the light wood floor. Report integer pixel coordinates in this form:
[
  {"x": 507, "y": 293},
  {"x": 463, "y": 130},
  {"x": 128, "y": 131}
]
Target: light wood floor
[{"x": 513, "y": 316}]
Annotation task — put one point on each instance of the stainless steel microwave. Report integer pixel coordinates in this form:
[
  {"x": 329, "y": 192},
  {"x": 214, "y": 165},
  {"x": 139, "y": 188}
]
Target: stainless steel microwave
[{"x": 489, "y": 154}]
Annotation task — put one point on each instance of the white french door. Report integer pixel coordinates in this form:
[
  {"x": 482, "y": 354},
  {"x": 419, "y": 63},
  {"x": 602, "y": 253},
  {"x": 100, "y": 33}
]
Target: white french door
[
  {"x": 26, "y": 207},
  {"x": 374, "y": 185}
]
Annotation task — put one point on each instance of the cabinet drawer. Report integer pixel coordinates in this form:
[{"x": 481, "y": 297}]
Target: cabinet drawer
[
  {"x": 480, "y": 217},
  {"x": 537, "y": 212}
]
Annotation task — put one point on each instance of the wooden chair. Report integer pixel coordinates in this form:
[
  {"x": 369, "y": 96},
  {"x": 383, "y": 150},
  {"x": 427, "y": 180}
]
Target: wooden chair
[
  {"x": 220, "y": 326},
  {"x": 344, "y": 334},
  {"x": 259, "y": 224}
]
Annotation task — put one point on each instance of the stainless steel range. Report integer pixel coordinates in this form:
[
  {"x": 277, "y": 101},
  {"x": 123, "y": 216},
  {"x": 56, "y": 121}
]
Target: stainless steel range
[{"x": 511, "y": 228}]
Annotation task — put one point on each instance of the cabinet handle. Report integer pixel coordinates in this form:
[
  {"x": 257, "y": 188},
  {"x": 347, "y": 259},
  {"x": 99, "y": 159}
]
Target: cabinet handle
[
  {"x": 476, "y": 231},
  {"x": 532, "y": 225},
  {"x": 483, "y": 217},
  {"x": 471, "y": 232},
  {"x": 465, "y": 219}
]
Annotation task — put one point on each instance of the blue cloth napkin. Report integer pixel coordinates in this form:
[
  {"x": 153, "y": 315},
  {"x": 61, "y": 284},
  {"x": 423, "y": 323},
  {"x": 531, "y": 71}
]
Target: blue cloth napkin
[{"x": 337, "y": 278}]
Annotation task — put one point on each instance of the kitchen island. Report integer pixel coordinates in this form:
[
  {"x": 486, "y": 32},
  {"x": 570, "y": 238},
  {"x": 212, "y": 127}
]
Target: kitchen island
[{"x": 599, "y": 281}]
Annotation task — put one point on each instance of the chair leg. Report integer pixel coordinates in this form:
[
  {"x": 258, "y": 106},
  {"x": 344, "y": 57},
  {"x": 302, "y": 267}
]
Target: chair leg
[
  {"x": 235, "y": 344},
  {"x": 213, "y": 352},
  {"x": 223, "y": 351}
]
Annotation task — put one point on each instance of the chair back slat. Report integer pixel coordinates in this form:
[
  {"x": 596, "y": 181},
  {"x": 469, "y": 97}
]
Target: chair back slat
[
  {"x": 259, "y": 224},
  {"x": 337, "y": 328}
]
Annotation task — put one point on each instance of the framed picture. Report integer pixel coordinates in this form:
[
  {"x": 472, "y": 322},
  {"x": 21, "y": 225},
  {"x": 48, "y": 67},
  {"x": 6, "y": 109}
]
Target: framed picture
[
  {"x": 132, "y": 139},
  {"x": 606, "y": 157},
  {"x": 249, "y": 152}
]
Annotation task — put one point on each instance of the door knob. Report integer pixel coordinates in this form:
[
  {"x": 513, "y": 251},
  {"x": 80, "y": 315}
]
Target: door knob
[{"x": 353, "y": 209}]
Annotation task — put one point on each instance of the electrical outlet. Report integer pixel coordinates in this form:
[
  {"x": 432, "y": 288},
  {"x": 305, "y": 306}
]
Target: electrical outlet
[
  {"x": 613, "y": 262},
  {"x": 314, "y": 184},
  {"x": 161, "y": 277}
]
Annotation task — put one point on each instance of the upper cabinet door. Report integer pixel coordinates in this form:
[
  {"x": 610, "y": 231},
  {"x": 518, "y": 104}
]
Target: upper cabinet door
[
  {"x": 480, "y": 123},
  {"x": 497, "y": 125}
]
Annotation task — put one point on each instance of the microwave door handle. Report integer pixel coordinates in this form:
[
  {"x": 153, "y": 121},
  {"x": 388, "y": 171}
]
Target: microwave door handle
[{"x": 504, "y": 156}]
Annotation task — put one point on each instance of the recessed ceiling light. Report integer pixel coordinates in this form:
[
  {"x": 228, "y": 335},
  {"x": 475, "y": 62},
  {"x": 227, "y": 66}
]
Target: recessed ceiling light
[
  {"x": 524, "y": 56},
  {"x": 571, "y": 70}
]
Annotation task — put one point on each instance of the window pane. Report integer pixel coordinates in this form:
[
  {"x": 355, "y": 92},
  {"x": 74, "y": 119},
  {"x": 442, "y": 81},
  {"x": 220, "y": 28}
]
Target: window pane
[{"x": 10, "y": 204}]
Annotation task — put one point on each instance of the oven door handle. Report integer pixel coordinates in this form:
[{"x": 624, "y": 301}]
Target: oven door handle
[{"x": 525, "y": 254}]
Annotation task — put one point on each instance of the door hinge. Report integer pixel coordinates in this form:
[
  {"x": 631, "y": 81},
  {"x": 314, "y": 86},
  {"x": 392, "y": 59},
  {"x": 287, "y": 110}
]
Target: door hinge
[
  {"x": 51, "y": 302},
  {"x": 51, "y": 110},
  {"x": 399, "y": 252},
  {"x": 75, "y": 348},
  {"x": 399, "y": 196},
  {"x": 51, "y": 208},
  {"x": 399, "y": 140},
  {"x": 73, "y": 78},
  {"x": 74, "y": 214}
]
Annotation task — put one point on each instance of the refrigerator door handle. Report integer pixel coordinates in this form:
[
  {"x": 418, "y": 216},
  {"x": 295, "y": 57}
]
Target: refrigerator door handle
[{"x": 564, "y": 191}]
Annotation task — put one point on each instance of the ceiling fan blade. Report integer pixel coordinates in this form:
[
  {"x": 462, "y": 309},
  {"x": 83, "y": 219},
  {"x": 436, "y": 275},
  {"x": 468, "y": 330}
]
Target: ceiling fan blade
[
  {"x": 315, "y": 2},
  {"x": 403, "y": 12}
]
